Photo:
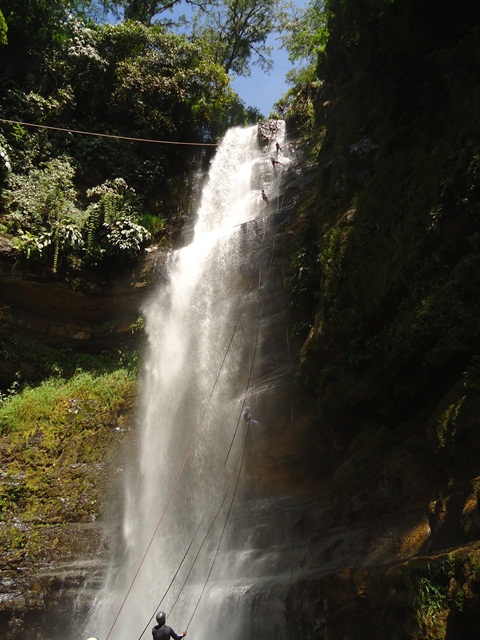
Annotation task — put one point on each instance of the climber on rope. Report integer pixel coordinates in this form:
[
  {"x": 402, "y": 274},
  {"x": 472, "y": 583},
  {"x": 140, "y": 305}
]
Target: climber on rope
[
  {"x": 274, "y": 161},
  {"x": 265, "y": 199},
  {"x": 162, "y": 632},
  {"x": 247, "y": 417}
]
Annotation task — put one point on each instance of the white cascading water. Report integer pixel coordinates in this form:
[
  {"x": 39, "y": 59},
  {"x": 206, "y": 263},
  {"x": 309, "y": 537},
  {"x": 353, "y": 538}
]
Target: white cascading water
[{"x": 201, "y": 342}]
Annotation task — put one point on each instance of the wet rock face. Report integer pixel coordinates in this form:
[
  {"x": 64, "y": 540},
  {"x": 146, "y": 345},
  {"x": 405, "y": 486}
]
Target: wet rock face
[
  {"x": 361, "y": 542},
  {"x": 41, "y": 604},
  {"x": 38, "y": 600},
  {"x": 85, "y": 316},
  {"x": 47, "y": 586}
]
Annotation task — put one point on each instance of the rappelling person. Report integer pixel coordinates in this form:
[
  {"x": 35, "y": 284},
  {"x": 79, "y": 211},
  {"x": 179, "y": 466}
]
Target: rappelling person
[
  {"x": 161, "y": 631},
  {"x": 265, "y": 199},
  {"x": 247, "y": 417},
  {"x": 274, "y": 161}
]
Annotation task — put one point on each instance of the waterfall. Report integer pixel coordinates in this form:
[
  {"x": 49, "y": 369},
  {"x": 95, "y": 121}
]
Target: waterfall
[{"x": 202, "y": 330}]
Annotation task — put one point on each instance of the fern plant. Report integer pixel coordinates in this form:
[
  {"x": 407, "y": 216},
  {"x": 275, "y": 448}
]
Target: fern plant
[
  {"x": 112, "y": 229},
  {"x": 66, "y": 237},
  {"x": 42, "y": 213}
]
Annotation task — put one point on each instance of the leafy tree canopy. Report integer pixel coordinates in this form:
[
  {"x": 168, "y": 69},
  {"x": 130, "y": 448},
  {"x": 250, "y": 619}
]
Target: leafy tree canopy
[
  {"x": 304, "y": 31},
  {"x": 65, "y": 66},
  {"x": 237, "y": 31},
  {"x": 144, "y": 11}
]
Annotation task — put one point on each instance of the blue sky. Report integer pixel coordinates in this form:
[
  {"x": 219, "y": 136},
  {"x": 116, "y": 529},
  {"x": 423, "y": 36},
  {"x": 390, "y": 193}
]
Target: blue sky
[{"x": 263, "y": 90}]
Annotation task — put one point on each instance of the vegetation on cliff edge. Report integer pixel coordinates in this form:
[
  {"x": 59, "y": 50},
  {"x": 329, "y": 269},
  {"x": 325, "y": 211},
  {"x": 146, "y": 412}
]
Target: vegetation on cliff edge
[{"x": 384, "y": 279}]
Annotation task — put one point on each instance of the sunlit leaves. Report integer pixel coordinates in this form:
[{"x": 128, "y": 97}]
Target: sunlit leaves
[
  {"x": 305, "y": 31},
  {"x": 168, "y": 83},
  {"x": 237, "y": 31},
  {"x": 125, "y": 239},
  {"x": 112, "y": 228},
  {"x": 44, "y": 195}
]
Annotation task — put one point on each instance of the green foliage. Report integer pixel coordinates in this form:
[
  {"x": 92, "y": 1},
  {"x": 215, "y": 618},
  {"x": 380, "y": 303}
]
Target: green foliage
[
  {"x": 3, "y": 29},
  {"x": 144, "y": 82},
  {"x": 49, "y": 361},
  {"x": 144, "y": 10},
  {"x": 56, "y": 434},
  {"x": 165, "y": 84},
  {"x": 440, "y": 589},
  {"x": 153, "y": 224},
  {"x": 447, "y": 425},
  {"x": 397, "y": 284},
  {"x": 41, "y": 211},
  {"x": 138, "y": 325},
  {"x": 43, "y": 196},
  {"x": 34, "y": 248},
  {"x": 432, "y": 609},
  {"x": 304, "y": 32},
  {"x": 23, "y": 412},
  {"x": 112, "y": 231},
  {"x": 5, "y": 163},
  {"x": 124, "y": 239},
  {"x": 237, "y": 30},
  {"x": 36, "y": 23}
]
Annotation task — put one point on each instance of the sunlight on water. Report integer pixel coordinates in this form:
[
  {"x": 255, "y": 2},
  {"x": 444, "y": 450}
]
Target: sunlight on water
[{"x": 191, "y": 397}]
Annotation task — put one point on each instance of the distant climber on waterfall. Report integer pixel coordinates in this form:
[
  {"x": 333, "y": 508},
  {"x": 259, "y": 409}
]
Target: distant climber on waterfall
[
  {"x": 247, "y": 417},
  {"x": 162, "y": 632},
  {"x": 278, "y": 148},
  {"x": 265, "y": 199},
  {"x": 274, "y": 161}
]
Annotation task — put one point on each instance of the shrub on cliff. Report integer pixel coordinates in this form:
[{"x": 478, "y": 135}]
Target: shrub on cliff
[{"x": 48, "y": 227}]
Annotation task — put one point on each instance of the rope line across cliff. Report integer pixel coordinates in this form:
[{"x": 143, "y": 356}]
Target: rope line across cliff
[{"x": 109, "y": 135}]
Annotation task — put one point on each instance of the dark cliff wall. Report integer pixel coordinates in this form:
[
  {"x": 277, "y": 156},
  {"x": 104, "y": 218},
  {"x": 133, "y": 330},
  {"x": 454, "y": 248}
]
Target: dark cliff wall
[{"x": 384, "y": 281}]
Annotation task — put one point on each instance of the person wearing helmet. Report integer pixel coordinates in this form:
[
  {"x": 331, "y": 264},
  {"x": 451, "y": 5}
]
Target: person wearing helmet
[{"x": 162, "y": 632}]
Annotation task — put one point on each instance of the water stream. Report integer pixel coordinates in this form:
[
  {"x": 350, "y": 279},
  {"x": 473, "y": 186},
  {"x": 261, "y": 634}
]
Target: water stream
[{"x": 182, "y": 548}]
